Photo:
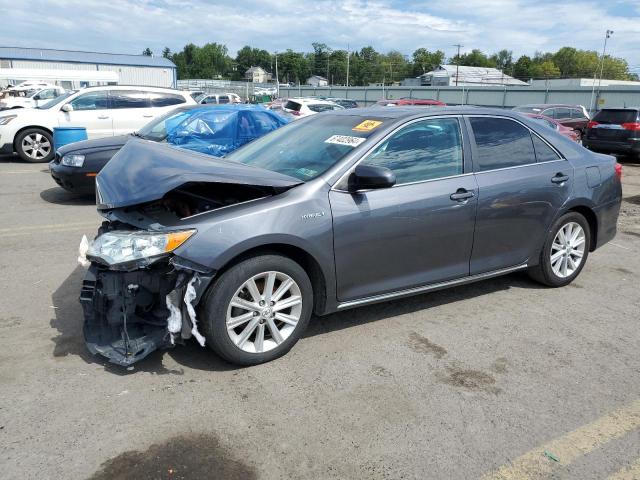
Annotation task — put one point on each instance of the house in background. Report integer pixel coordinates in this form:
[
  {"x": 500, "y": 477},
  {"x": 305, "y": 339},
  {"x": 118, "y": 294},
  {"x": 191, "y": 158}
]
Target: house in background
[
  {"x": 257, "y": 75},
  {"x": 317, "y": 81},
  {"x": 452, "y": 75}
]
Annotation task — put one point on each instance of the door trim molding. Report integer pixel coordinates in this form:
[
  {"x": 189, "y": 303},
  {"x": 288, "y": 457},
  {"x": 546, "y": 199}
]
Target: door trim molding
[{"x": 430, "y": 287}]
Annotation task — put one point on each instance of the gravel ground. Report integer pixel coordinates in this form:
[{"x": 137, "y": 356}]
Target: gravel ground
[{"x": 452, "y": 384}]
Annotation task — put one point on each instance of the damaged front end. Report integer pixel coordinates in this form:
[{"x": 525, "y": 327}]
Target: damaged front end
[{"x": 135, "y": 307}]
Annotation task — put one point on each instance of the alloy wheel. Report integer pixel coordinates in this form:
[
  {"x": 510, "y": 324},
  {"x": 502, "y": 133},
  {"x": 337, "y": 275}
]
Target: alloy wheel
[
  {"x": 567, "y": 249},
  {"x": 264, "y": 312},
  {"x": 36, "y": 146}
]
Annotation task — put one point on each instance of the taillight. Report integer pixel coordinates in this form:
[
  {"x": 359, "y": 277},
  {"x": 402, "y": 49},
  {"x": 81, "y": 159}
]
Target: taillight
[
  {"x": 592, "y": 124},
  {"x": 635, "y": 126},
  {"x": 618, "y": 169}
]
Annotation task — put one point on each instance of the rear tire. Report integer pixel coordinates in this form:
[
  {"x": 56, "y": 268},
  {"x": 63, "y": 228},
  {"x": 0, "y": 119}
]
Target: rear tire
[
  {"x": 35, "y": 145},
  {"x": 564, "y": 252},
  {"x": 258, "y": 309}
]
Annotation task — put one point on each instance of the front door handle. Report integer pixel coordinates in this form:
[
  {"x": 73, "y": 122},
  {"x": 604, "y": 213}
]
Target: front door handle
[
  {"x": 461, "y": 195},
  {"x": 103, "y": 118},
  {"x": 560, "y": 178},
  {"x": 148, "y": 116}
]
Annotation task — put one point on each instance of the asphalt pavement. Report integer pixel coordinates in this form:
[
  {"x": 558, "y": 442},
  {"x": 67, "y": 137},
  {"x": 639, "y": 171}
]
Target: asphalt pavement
[{"x": 500, "y": 379}]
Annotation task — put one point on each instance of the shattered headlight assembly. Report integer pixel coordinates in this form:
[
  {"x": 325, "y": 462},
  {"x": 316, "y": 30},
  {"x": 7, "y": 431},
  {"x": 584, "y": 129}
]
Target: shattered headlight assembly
[
  {"x": 122, "y": 248},
  {"x": 7, "y": 119},
  {"x": 71, "y": 160}
]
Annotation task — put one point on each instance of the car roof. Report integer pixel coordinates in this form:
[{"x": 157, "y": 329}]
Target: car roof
[{"x": 400, "y": 112}]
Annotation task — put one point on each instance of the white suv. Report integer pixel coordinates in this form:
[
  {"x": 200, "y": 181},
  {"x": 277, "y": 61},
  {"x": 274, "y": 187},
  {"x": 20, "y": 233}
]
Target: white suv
[
  {"x": 103, "y": 111},
  {"x": 303, "y": 107},
  {"x": 31, "y": 99}
]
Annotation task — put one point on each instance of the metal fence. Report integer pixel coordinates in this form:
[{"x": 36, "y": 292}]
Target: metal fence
[
  {"x": 243, "y": 89},
  {"x": 503, "y": 97}
]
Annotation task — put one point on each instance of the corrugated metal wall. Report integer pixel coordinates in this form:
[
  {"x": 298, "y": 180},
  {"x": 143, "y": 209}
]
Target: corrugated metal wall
[
  {"x": 612, "y": 96},
  {"x": 129, "y": 75}
]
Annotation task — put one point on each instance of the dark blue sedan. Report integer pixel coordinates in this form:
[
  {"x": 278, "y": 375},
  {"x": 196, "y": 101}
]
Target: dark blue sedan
[{"x": 213, "y": 129}]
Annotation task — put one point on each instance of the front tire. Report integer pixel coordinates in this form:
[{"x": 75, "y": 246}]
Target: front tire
[
  {"x": 565, "y": 251},
  {"x": 258, "y": 309},
  {"x": 35, "y": 145}
]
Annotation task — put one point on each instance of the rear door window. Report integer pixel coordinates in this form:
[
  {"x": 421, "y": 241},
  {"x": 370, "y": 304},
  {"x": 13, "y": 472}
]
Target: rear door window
[
  {"x": 129, "y": 99},
  {"x": 166, "y": 99},
  {"x": 618, "y": 116},
  {"x": 424, "y": 150},
  {"x": 501, "y": 143}
]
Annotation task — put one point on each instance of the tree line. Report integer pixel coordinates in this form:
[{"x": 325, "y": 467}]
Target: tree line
[{"x": 212, "y": 61}]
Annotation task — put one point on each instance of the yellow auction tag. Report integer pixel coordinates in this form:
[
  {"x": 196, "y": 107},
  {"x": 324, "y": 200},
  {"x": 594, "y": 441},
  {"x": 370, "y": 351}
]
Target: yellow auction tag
[{"x": 366, "y": 126}]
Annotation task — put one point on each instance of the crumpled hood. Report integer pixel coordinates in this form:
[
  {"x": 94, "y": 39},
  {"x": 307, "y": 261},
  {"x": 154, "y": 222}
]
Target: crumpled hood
[
  {"x": 106, "y": 143},
  {"x": 143, "y": 171}
]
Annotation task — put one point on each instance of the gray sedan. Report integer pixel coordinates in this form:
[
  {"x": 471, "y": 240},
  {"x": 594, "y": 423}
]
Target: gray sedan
[{"x": 342, "y": 209}]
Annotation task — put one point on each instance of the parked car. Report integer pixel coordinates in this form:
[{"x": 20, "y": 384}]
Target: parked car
[
  {"x": 216, "y": 98},
  {"x": 303, "y": 107},
  {"x": 211, "y": 130},
  {"x": 568, "y": 132},
  {"x": 343, "y": 102},
  {"x": 29, "y": 85},
  {"x": 336, "y": 211},
  {"x": 403, "y": 102},
  {"x": 32, "y": 99},
  {"x": 574, "y": 116},
  {"x": 614, "y": 130},
  {"x": 103, "y": 111}
]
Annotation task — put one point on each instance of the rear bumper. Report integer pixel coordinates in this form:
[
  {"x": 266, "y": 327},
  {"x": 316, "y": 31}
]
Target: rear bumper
[
  {"x": 607, "y": 216},
  {"x": 72, "y": 179},
  {"x": 631, "y": 147}
]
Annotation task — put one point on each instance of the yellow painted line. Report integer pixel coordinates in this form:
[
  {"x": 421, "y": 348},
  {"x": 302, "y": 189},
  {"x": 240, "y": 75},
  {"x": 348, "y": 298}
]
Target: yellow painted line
[
  {"x": 631, "y": 472},
  {"x": 48, "y": 227},
  {"x": 571, "y": 446}
]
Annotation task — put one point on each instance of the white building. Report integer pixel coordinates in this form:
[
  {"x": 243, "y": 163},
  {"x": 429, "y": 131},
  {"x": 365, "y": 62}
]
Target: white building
[
  {"x": 452, "y": 75},
  {"x": 257, "y": 75},
  {"x": 317, "y": 81},
  {"x": 75, "y": 69},
  {"x": 582, "y": 82}
]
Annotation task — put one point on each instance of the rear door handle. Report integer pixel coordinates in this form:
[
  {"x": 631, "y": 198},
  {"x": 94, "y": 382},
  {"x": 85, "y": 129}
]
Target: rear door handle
[
  {"x": 560, "y": 178},
  {"x": 103, "y": 118},
  {"x": 148, "y": 116},
  {"x": 461, "y": 195}
]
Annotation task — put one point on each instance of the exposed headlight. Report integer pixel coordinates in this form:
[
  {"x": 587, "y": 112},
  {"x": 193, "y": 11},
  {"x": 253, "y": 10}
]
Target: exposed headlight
[
  {"x": 7, "y": 119},
  {"x": 122, "y": 247},
  {"x": 72, "y": 160}
]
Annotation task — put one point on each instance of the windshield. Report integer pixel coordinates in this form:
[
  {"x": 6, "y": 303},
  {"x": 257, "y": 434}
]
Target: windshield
[
  {"x": 308, "y": 148},
  {"x": 156, "y": 129},
  {"x": 55, "y": 101}
]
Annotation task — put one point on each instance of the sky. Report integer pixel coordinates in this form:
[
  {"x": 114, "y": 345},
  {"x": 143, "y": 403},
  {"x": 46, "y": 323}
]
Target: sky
[{"x": 523, "y": 26}]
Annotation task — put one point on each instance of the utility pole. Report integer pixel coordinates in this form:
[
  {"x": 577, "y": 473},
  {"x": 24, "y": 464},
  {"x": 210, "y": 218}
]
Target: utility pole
[
  {"x": 348, "y": 56},
  {"x": 593, "y": 88},
  {"x": 277, "y": 81},
  {"x": 458, "y": 61}
]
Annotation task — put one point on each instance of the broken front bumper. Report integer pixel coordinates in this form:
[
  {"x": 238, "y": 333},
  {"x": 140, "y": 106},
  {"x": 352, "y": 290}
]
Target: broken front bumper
[{"x": 129, "y": 314}]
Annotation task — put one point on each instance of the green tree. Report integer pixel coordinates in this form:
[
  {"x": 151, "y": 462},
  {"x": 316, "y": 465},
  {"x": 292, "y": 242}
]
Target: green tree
[
  {"x": 546, "y": 69},
  {"x": 503, "y": 60},
  {"x": 321, "y": 54},
  {"x": 293, "y": 67},
  {"x": 166, "y": 52},
  {"x": 426, "y": 61},
  {"x": 147, "y": 52},
  {"x": 475, "y": 58},
  {"x": 248, "y": 57},
  {"x": 522, "y": 68}
]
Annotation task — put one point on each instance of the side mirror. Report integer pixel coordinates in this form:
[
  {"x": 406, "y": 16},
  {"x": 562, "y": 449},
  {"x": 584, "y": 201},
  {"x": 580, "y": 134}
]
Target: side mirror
[
  {"x": 368, "y": 177},
  {"x": 67, "y": 107}
]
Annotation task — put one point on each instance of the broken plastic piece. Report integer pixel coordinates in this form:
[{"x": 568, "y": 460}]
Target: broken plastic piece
[
  {"x": 551, "y": 456},
  {"x": 82, "y": 252},
  {"x": 174, "y": 322},
  {"x": 189, "y": 296}
]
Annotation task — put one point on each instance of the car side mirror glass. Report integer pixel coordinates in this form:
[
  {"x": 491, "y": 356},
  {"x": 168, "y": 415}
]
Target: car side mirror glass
[
  {"x": 368, "y": 177},
  {"x": 67, "y": 107}
]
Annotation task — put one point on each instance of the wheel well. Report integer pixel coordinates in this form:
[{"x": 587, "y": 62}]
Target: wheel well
[
  {"x": 592, "y": 220},
  {"x": 298, "y": 255},
  {"x": 15, "y": 138}
]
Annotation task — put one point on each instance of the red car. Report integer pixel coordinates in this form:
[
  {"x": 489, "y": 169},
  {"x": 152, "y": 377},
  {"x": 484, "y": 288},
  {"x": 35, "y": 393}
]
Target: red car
[
  {"x": 412, "y": 101},
  {"x": 568, "y": 132}
]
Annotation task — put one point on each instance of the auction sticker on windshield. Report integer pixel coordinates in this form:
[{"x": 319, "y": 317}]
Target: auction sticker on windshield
[
  {"x": 345, "y": 140},
  {"x": 367, "y": 126}
]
